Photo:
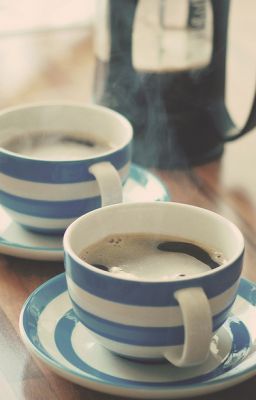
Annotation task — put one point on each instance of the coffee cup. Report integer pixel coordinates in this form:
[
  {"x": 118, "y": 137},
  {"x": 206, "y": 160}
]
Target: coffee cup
[
  {"x": 61, "y": 160},
  {"x": 146, "y": 316}
]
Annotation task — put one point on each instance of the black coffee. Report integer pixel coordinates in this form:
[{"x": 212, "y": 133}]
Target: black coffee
[
  {"x": 56, "y": 146},
  {"x": 151, "y": 256}
]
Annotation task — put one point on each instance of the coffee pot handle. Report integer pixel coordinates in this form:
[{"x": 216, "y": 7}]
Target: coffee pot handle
[
  {"x": 234, "y": 132},
  {"x": 197, "y": 321},
  {"x": 228, "y": 131},
  {"x": 109, "y": 182}
]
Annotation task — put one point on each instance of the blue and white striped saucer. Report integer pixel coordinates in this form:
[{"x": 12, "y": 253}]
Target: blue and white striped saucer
[
  {"x": 16, "y": 241},
  {"x": 51, "y": 332}
]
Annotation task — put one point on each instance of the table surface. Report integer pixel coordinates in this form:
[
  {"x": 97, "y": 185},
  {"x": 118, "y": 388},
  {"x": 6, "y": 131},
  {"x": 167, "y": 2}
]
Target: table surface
[{"x": 62, "y": 67}]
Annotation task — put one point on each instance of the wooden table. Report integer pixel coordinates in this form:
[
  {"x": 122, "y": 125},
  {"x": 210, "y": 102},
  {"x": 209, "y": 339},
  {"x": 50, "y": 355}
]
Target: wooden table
[{"x": 227, "y": 186}]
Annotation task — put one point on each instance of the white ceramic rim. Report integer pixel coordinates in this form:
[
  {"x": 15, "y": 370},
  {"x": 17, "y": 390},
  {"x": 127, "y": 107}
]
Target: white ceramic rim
[
  {"x": 68, "y": 249},
  {"x": 128, "y": 129}
]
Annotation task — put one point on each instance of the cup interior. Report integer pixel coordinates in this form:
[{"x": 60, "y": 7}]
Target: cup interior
[
  {"x": 182, "y": 221},
  {"x": 99, "y": 121}
]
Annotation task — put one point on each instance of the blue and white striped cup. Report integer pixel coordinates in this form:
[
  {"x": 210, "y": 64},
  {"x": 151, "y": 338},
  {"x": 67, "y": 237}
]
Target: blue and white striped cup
[
  {"x": 47, "y": 195},
  {"x": 150, "y": 320}
]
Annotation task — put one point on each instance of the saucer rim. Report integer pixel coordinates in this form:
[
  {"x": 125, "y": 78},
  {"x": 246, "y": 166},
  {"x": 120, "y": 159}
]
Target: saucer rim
[
  {"x": 44, "y": 253},
  {"x": 94, "y": 383}
]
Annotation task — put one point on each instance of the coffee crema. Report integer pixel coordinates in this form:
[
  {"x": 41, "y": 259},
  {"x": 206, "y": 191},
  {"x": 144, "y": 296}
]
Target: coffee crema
[
  {"x": 151, "y": 257},
  {"x": 57, "y": 145}
]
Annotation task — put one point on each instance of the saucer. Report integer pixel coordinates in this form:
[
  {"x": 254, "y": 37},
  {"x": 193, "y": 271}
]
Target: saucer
[
  {"x": 16, "y": 241},
  {"x": 52, "y": 334}
]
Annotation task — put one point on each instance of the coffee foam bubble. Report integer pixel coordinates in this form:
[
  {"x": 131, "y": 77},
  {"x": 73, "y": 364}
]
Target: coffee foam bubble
[{"x": 137, "y": 256}]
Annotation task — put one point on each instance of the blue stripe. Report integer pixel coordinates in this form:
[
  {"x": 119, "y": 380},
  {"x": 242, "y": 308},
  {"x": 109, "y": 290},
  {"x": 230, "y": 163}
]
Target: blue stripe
[
  {"x": 246, "y": 292},
  {"x": 47, "y": 292},
  {"x": 60, "y": 172},
  {"x": 136, "y": 335},
  {"x": 62, "y": 336},
  {"x": 35, "y": 305},
  {"x": 149, "y": 293},
  {"x": 239, "y": 350},
  {"x": 49, "y": 209}
]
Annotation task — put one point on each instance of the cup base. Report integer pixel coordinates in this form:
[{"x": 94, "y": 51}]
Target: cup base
[
  {"x": 143, "y": 360},
  {"x": 49, "y": 232}
]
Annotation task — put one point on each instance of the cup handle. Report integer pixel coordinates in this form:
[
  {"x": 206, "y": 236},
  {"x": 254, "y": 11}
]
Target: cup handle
[
  {"x": 197, "y": 319},
  {"x": 109, "y": 182}
]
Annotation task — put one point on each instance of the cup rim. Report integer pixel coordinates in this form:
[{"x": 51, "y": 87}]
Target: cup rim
[
  {"x": 75, "y": 257},
  {"x": 102, "y": 109}
]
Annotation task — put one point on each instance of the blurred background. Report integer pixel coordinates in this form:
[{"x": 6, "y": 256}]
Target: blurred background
[{"x": 47, "y": 51}]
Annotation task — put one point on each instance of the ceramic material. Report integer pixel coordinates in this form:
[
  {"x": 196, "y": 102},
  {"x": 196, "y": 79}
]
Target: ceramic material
[
  {"x": 52, "y": 333},
  {"x": 16, "y": 241},
  {"x": 46, "y": 194},
  {"x": 173, "y": 316}
]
